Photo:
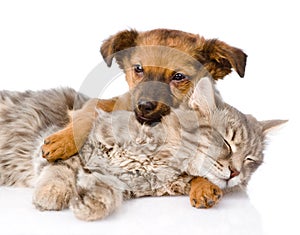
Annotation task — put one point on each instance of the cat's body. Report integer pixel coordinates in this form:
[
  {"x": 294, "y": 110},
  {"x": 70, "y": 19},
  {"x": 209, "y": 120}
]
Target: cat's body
[
  {"x": 123, "y": 159},
  {"x": 25, "y": 119}
]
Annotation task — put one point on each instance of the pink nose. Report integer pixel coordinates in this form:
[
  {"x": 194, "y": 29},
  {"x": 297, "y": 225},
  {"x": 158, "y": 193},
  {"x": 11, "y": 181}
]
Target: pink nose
[{"x": 233, "y": 172}]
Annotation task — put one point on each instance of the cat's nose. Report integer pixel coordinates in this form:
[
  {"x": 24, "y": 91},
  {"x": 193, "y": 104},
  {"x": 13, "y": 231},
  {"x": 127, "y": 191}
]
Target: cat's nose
[{"x": 233, "y": 172}]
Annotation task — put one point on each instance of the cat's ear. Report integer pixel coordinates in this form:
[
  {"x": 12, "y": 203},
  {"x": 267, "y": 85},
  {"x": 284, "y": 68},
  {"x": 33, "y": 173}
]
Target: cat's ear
[
  {"x": 270, "y": 125},
  {"x": 203, "y": 97}
]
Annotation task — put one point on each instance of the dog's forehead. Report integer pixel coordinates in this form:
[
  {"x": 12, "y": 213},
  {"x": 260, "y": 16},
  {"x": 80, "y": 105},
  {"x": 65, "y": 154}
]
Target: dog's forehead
[
  {"x": 172, "y": 38},
  {"x": 164, "y": 57}
]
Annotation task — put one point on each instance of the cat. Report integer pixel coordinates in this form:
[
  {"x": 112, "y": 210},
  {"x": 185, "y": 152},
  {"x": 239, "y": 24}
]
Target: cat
[
  {"x": 25, "y": 119},
  {"x": 123, "y": 159}
]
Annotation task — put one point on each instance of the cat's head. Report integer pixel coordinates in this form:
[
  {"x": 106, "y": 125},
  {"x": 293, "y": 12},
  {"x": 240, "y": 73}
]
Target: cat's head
[{"x": 244, "y": 138}]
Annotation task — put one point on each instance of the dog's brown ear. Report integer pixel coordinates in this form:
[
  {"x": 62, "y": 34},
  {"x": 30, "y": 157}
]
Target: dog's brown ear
[
  {"x": 219, "y": 58},
  {"x": 118, "y": 42}
]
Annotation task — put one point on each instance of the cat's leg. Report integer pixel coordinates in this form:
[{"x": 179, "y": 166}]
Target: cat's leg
[
  {"x": 204, "y": 194},
  {"x": 56, "y": 185},
  {"x": 94, "y": 199}
]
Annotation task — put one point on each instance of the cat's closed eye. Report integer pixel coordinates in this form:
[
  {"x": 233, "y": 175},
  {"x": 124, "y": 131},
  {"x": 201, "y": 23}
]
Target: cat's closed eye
[
  {"x": 228, "y": 150},
  {"x": 251, "y": 162},
  {"x": 249, "y": 159}
]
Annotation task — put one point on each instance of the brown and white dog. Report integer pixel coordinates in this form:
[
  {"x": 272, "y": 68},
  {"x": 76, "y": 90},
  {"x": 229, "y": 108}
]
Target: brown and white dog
[{"x": 161, "y": 68}]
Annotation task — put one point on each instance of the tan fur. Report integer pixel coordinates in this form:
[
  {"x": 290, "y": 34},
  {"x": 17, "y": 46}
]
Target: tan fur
[
  {"x": 154, "y": 49},
  {"x": 203, "y": 194}
]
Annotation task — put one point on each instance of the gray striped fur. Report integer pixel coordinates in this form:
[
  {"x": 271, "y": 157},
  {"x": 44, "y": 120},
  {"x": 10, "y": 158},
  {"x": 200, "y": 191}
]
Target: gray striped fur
[{"x": 121, "y": 158}]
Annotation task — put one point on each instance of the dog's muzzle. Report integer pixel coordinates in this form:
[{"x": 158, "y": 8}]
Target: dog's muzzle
[
  {"x": 145, "y": 107},
  {"x": 143, "y": 112},
  {"x": 152, "y": 101}
]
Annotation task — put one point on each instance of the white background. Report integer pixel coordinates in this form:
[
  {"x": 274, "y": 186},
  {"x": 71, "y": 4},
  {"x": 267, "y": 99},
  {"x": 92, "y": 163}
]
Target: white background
[{"x": 56, "y": 43}]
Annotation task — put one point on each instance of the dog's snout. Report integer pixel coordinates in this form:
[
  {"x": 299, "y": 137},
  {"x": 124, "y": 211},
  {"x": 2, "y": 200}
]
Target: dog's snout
[
  {"x": 146, "y": 107},
  {"x": 151, "y": 101}
]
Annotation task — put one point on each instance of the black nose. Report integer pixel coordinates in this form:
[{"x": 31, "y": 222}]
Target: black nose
[{"x": 146, "y": 107}]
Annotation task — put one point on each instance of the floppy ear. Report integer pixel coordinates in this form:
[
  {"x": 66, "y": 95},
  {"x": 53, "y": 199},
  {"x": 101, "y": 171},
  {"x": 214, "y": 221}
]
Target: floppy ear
[
  {"x": 116, "y": 43},
  {"x": 203, "y": 97},
  {"x": 270, "y": 125},
  {"x": 219, "y": 58}
]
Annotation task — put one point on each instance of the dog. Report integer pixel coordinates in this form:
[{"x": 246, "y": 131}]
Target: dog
[{"x": 161, "y": 67}]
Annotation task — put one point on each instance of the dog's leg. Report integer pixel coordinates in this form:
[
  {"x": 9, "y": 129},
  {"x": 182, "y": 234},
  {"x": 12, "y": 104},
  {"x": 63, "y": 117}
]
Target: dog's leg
[
  {"x": 68, "y": 141},
  {"x": 204, "y": 194},
  {"x": 63, "y": 144}
]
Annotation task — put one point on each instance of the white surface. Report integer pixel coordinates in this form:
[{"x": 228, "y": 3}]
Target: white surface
[
  {"x": 171, "y": 215},
  {"x": 45, "y": 45}
]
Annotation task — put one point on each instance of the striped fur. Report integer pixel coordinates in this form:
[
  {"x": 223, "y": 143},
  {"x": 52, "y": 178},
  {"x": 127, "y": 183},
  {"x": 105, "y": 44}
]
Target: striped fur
[{"x": 123, "y": 159}]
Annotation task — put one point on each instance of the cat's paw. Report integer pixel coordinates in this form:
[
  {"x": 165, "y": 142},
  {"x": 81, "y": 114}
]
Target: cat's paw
[
  {"x": 89, "y": 207},
  {"x": 59, "y": 145},
  {"x": 94, "y": 200},
  {"x": 204, "y": 194},
  {"x": 52, "y": 196}
]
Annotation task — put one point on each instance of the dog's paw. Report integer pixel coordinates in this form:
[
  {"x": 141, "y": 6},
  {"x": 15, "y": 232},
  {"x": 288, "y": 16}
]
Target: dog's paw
[
  {"x": 59, "y": 145},
  {"x": 204, "y": 194},
  {"x": 52, "y": 196}
]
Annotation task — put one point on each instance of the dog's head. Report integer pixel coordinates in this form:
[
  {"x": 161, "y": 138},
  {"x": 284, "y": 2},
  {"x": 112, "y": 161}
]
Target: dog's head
[{"x": 162, "y": 66}]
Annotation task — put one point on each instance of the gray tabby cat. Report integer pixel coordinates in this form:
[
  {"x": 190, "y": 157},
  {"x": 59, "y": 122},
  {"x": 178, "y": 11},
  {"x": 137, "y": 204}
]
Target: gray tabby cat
[{"x": 123, "y": 159}]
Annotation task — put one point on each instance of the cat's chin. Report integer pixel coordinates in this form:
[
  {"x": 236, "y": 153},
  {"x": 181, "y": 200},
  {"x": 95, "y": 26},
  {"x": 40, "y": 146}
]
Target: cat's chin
[
  {"x": 233, "y": 182},
  {"x": 222, "y": 184},
  {"x": 226, "y": 184}
]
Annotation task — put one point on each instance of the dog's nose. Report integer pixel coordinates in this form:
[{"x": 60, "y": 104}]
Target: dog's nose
[{"x": 146, "y": 107}]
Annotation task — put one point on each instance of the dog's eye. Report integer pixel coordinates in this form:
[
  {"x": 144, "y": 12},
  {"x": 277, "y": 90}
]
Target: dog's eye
[
  {"x": 138, "y": 68},
  {"x": 178, "y": 76}
]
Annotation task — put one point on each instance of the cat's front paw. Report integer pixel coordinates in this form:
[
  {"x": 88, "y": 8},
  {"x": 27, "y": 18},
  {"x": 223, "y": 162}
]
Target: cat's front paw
[
  {"x": 52, "y": 196},
  {"x": 204, "y": 194},
  {"x": 94, "y": 200},
  {"x": 59, "y": 145},
  {"x": 89, "y": 207}
]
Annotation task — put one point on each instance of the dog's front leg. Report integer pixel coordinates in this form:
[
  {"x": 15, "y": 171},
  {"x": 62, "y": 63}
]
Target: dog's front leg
[
  {"x": 204, "y": 194},
  {"x": 68, "y": 141}
]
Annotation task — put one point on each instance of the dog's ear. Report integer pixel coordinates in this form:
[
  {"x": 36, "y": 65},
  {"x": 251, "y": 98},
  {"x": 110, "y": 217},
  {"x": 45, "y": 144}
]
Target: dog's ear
[
  {"x": 116, "y": 43},
  {"x": 219, "y": 58}
]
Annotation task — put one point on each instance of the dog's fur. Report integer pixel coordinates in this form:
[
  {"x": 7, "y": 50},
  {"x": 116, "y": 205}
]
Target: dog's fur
[
  {"x": 161, "y": 68},
  {"x": 162, "y": 53}
]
